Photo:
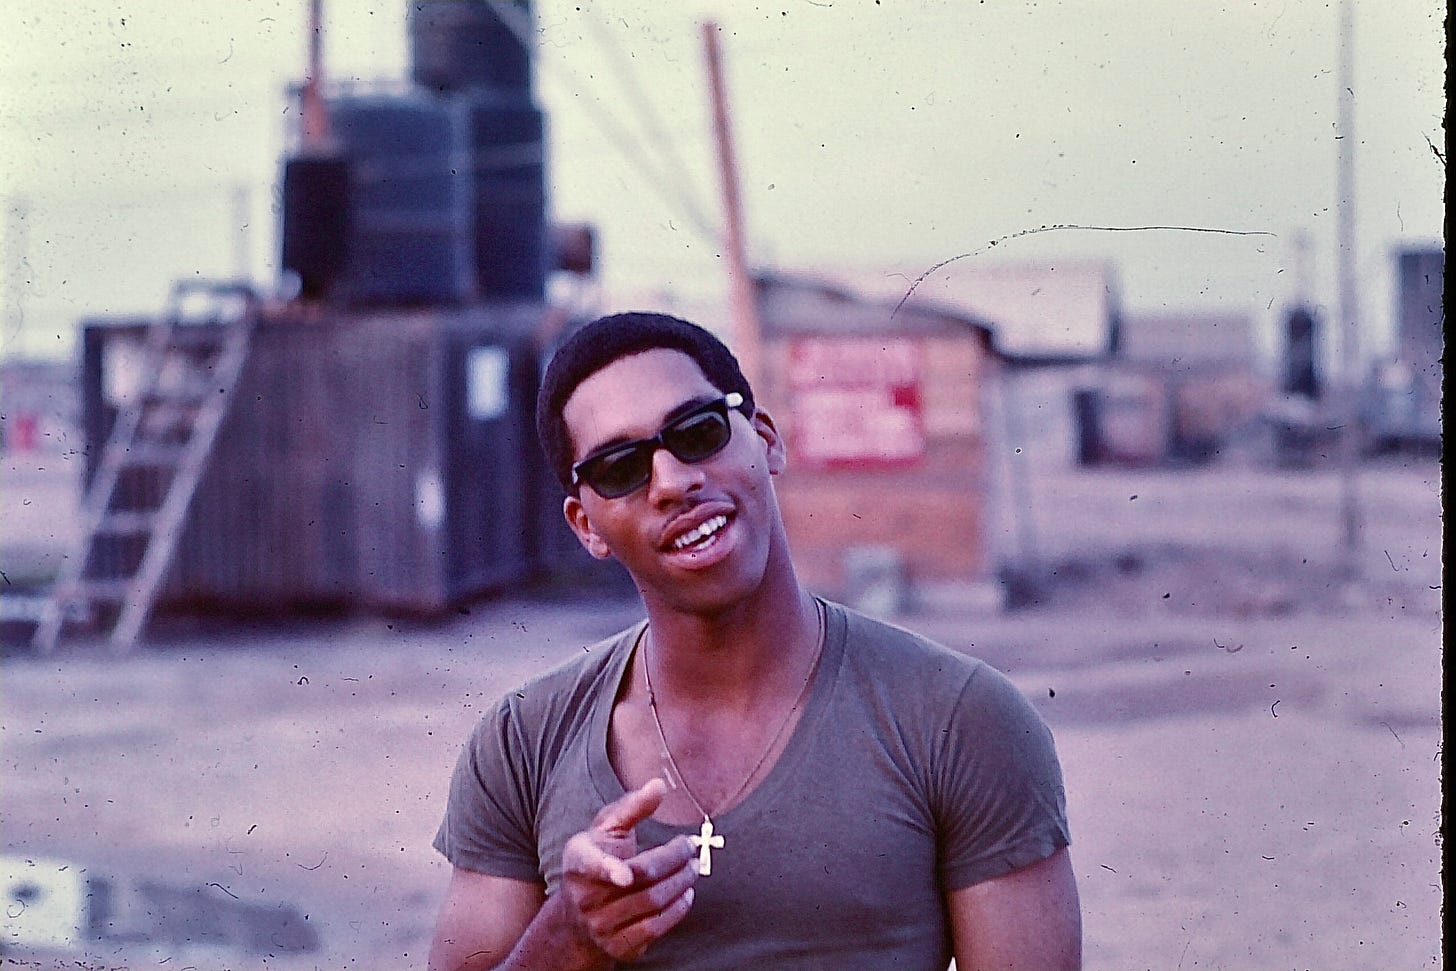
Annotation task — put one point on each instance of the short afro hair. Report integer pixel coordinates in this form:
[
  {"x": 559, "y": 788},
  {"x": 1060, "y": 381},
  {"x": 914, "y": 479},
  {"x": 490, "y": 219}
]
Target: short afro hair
[{"x": 608, "y": 339}]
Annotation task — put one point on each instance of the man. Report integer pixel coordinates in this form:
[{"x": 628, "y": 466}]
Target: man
[{"x": 752, "y": 778}]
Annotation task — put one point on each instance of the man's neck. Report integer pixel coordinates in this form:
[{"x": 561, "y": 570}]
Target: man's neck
[{"x": 737, "y": 656}]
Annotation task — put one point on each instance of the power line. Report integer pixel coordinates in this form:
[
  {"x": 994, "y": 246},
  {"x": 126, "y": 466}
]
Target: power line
[
  {"x": 652, "y": 123},
  {"x": 657, "y": 179}
]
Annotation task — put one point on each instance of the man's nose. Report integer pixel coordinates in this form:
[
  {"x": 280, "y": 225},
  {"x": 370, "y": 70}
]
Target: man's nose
[{"x": 672, "y": 477}]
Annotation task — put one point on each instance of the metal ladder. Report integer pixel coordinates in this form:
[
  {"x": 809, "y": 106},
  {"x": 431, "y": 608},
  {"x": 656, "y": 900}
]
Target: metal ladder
[{"x": 157, "y": 453}]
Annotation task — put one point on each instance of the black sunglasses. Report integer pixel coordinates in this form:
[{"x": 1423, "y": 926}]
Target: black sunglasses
[{"x": 616, "y": 470}]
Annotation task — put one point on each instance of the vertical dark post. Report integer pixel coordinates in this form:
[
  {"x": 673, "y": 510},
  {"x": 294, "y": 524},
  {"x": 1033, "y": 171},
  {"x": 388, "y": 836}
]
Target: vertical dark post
[{"x": 1301, "y": 374}]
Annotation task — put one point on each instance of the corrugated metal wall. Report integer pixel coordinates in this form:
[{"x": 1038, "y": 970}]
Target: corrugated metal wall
[{"x": 385, "y": 460}]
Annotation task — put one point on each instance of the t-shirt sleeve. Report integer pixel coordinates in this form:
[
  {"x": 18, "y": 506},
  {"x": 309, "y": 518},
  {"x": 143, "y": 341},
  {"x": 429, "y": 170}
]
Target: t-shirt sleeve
[
  {"x": 489, "y": 824},
  {"x": 997, "y": 784}
]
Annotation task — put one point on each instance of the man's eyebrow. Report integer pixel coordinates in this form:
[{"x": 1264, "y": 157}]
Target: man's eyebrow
[{"x": 692, "y": 404}]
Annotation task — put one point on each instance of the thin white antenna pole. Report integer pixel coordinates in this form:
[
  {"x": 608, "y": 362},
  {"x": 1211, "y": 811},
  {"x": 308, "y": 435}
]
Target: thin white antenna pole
[
  {"x": 1350, "y": 512},
  {"x": 17, "y": 243},
  {"x": 242, "y": 232}
]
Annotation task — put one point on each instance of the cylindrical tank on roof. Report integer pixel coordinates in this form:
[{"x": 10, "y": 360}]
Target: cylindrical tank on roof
[
  {"x": 505, "y": 136},
  {"x": 316, "y": 222},
  {"x": 409, "y": 238},
  {"x": 461, "y": 45}
]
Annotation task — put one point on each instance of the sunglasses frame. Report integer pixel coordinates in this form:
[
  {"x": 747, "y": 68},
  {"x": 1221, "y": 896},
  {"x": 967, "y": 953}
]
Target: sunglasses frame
[{"x": 731, "y": 401}]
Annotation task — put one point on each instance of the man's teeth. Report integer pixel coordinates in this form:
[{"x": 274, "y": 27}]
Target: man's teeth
[{"x": 700, "y": 533}]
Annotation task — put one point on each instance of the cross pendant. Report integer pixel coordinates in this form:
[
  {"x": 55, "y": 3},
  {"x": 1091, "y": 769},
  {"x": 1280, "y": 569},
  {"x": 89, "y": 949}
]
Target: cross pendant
[{"x": 706, "y": 842}]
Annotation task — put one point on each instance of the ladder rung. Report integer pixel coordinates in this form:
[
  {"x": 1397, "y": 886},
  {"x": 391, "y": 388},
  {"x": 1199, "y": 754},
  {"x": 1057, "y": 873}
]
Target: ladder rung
[
  {"x": 109, "y": 590},
  {"x": 128, "y": 523},
  {"x": 191, "y": 393},
  {"x": 202, "y": 335},
  {"x": 153, "y": 455}
]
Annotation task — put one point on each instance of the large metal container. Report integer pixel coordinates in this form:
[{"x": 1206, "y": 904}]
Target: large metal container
[
  {"x": 437, "y": 454},
  {"x": 1300, "y": 367},
  {"x": 385, "y": 460}
]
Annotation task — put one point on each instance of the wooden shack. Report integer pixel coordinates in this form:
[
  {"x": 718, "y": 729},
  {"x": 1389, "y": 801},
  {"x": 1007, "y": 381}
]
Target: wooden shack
[{"x": 891, "y": 421}]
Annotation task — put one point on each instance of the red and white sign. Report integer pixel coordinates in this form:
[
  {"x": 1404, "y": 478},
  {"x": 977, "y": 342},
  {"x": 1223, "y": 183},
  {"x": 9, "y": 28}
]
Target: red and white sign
[{"x": 856, "y": 402}]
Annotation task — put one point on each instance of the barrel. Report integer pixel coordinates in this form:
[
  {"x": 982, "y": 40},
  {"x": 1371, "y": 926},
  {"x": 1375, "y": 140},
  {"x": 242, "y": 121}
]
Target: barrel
[
  {"x": 506, "y": 138},
  {"x": 409, "y": 239},
  {"x": 460, "y": 45},
  {"x": 316, "y": 222}
]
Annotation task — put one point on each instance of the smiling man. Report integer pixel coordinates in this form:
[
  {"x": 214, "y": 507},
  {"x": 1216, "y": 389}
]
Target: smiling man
[{"x": 752, "y": 777}]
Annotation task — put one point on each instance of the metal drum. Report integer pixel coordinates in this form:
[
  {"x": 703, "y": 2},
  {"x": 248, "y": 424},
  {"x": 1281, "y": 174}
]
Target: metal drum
[
  {"x": 409, "y": 239},
  {"x": 506, "y": 139},
  {"x": 460, "y": 45}
]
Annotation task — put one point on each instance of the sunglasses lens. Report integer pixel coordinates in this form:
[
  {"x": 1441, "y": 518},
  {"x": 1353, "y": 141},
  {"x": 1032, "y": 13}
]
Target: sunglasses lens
[
  {"x": 697, "y": 437},
  {"x": 618, "y": 473}
]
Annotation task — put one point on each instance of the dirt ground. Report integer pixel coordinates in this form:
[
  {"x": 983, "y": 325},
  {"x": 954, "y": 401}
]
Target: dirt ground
[{"x": 1251, "y": 737}]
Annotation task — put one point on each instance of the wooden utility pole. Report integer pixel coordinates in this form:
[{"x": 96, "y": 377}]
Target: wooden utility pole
[
  {"x": 317, "y": 138},
  {"x": 743, "y": 301},
  {"x": 1350, "y": 515}
]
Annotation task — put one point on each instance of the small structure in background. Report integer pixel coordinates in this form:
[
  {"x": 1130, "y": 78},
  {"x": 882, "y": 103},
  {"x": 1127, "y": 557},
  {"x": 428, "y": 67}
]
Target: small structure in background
[
  {"x": 38, "y": 406},
  {"x": 1295, "y": 414},
  {"x": 1055, "y": 322},
  {"x": 1181, "y": 389},
  {"x": 1403, "y": 396}
]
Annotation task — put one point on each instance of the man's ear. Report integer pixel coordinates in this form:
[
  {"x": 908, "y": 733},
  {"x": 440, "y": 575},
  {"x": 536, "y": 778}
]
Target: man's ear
[
  {"x": 580, "y": 524},
  {"x": 763, "y": 425}
]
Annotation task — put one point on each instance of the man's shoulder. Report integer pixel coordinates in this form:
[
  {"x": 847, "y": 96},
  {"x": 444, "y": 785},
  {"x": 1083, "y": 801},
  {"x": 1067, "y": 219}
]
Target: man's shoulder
[
  {"x": 567, "y": 689},
  {"x": 889, "y": 650},
  {"x": 909, "y": 679}
]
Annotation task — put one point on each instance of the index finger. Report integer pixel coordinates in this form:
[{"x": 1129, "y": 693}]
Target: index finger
[{"x": 635, "y": 806}]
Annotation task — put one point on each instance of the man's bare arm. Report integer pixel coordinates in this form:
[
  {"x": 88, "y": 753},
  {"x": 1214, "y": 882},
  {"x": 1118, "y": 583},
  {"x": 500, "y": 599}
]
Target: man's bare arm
[
  {"x": 614, "y": 902},
  {"x": 481, "y": 920},
  {"x": 1028, "y": 920}
]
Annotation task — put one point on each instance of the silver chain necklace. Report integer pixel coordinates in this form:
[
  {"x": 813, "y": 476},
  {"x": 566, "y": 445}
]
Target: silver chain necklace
[{"x": 706, "y": 841}]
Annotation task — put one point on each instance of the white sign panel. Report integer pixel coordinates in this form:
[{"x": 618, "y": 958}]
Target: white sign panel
[
  {"x": 486, "y": 387},
  {"x": 857, "y": 401}
]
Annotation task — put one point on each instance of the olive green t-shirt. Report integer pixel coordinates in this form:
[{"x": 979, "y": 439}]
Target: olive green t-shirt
[{"x": 913, "y": 771}]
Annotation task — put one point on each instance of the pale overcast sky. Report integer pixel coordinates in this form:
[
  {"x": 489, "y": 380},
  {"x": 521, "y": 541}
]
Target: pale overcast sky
[{"x": 142, "y": 140}]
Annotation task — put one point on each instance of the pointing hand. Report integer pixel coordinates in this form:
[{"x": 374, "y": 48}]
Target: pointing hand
[{"x": 618, "y": 899}]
